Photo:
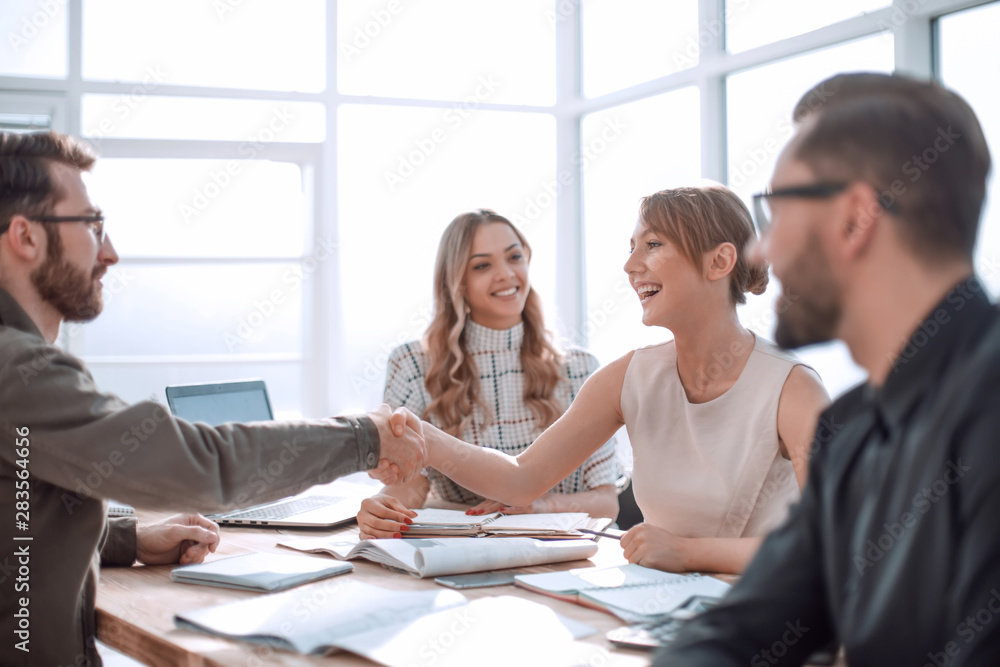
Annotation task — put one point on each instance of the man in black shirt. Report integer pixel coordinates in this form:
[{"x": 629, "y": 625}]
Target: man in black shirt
[{"x": 894, "y": 550}]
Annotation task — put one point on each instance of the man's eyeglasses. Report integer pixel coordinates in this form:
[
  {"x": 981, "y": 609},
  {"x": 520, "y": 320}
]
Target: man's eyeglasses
[
  {"x": 95, "y": 221},
  {"x": 762, "y": 209}
]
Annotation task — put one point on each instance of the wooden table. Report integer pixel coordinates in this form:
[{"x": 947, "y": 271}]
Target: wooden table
[{"x": 136, "y": 607}]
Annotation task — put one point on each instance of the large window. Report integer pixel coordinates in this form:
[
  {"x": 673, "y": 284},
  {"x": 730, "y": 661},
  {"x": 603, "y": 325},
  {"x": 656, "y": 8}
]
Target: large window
[
  {"x": 277, "y": 175},
  {"x": 630, "y": 42},
  {"x": 967, "y": 50},
  {"x": 394, "y": 202},
  {"x": 629, "y": 151},
  {"x": 759, "y": 122},
  {"x": 446, "y": 51},
  {"x": 754, "y": 23}
]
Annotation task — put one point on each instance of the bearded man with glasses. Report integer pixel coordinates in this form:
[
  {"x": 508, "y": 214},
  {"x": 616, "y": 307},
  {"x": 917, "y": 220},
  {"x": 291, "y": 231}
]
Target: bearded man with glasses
[
  {"x": 57, "y": 428},
  {"x": 893, "y": 552}
]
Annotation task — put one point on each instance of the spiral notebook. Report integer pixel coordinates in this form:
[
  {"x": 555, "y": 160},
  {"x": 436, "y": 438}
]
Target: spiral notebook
[
  {"x": 631, "y": 592},
  {"x": 433, "y": 522}
]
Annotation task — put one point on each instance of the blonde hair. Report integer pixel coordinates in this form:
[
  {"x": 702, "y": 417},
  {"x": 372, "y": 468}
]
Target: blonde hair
[
  {"x": 698, "y": 219},
  {"x": 452, "y": 377}
]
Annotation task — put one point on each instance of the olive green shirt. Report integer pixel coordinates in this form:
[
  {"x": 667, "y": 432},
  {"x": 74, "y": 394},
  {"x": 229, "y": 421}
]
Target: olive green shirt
[{"x": 65, "y": 447}]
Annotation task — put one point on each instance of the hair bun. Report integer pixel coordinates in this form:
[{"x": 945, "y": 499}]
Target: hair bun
[{"x": 758, "y": 279}]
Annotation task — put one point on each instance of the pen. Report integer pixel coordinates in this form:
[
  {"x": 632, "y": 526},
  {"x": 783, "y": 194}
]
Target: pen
[{"x": 597, "y": 532}]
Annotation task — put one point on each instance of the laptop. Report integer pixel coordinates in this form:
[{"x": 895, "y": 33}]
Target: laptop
[{"x": 243, "y": 401}]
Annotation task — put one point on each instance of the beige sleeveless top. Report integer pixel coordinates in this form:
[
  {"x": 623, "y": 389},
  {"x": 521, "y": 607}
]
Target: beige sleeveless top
[{"x": 708, "y": 469}]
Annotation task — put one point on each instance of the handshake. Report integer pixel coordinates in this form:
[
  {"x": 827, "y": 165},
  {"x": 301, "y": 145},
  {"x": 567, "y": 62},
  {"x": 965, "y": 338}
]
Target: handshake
[{"x": 402, "y": 445}]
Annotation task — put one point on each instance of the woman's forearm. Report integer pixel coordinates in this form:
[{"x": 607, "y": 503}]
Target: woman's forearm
[
  {"x": 488, "y": 472},
  {"x": 601, "y": 501},
  {"x": 719, "y": 554},
  {"x": 589, "y": 422}
]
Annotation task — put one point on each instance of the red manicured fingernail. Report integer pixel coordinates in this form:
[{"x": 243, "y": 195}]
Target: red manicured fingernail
[
  {"x": 396, "y": 535},
  {"x": 404, "y": 528},
  {"x": 409, "y": 520}
]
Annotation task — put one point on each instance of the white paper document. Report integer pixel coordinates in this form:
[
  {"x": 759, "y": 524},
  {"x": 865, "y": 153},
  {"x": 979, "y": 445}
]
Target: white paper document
[
  {"x": 400, "y": 628},
  {"x": 424, "y": 557}
]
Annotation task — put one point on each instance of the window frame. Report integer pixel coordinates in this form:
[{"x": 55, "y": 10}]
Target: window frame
[{"x": 323, "y": 354}]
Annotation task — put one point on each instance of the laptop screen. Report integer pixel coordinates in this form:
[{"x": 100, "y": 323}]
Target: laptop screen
[{"x": 220, "y": 402}]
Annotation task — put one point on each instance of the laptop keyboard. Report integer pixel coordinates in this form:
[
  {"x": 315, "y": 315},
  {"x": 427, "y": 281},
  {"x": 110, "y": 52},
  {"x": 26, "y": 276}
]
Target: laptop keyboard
[{"x": 282, "y": 510}]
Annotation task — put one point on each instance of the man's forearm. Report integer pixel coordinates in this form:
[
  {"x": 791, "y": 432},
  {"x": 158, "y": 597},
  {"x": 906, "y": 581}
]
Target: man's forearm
[{"x": 118, "y": 544}]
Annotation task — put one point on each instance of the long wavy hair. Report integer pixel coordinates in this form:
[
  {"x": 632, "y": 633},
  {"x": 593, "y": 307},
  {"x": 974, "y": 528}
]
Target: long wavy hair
[{"x": 452, "y": 377}]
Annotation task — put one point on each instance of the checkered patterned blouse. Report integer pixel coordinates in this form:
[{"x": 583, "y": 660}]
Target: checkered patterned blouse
[{"x": 497, "y": 353}]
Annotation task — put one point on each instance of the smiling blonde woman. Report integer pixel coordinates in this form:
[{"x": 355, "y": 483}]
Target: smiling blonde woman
[{"x": 486, "y": 371}]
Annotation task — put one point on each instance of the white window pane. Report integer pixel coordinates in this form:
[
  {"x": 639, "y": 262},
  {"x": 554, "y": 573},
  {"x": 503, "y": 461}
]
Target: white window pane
[
  {"x": 202, "y": 208},
  {"x": 473, "y": 51},
  {"x": 224, "y": 44},
  {"x": 34, "y": 38},
  {"x": 760, "y": 102},
  {"x": 255, "y": 123},
  {"x": 626, "y": 42},
  {"x": 140, "y": 382},
  {"x": 629, "y": 152},
  {"x": 196, "y": 309},
  {"x": 968, "y": 50},
  {"x": 405, "y": 174},
  {"x": 751, "y": 23},
  {"x": 759, "y": 120}
]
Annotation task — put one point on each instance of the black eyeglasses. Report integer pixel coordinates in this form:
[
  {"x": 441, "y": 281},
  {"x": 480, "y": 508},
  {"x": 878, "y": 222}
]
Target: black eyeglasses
[
  {"x": 762, "y": 210},
  {"x": 95, "y": 221}
]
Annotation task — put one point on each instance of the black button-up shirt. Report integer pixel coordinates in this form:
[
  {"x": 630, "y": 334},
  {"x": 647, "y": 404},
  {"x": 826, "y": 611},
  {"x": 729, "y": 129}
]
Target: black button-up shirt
[{"x": 894, "y": 549}]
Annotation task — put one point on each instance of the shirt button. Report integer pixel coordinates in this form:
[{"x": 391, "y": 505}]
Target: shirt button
[{"x": 372, "y": 459}]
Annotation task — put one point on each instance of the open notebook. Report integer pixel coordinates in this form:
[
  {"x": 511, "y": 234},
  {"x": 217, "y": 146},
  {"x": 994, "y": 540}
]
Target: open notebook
[{"x": 448, "y": 555}]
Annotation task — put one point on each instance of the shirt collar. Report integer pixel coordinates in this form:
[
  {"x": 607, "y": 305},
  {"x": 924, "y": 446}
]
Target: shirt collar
[
  {"x": 483, "y": 339},
  {"x": 945, "y": 330},
  {"x": 13, "y": 316}
]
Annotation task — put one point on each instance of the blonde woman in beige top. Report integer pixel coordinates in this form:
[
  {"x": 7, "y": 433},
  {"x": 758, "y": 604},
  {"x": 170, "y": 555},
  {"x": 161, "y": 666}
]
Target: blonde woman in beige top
[{"x": 720, "y": 421}]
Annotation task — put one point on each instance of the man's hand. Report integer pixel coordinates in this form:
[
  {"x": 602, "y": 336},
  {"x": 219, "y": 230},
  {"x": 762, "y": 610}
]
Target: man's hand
[
  {"x": 401, "y": 441},
  {"x": 182, "y": 538},
  {"x": 383, "y": 516}
]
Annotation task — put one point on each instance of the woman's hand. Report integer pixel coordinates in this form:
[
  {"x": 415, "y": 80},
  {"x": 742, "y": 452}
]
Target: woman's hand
[
  {"x": 654, "y": 547},
  {"x": 383, "y": 516}
]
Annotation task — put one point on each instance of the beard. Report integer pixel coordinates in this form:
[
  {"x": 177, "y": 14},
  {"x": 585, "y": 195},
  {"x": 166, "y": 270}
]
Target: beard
[
  {"x": 74, "y": 294},
  {"x": 809, "y": 309}
]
